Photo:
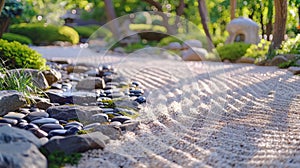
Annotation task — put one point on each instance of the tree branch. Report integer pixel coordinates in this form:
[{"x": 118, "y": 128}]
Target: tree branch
[
  {"x": 180, "y": 8},
  {"x": 155, "y": 4}
]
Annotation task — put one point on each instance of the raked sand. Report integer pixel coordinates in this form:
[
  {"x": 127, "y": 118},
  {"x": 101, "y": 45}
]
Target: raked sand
[{"x": 206, "y": 114}]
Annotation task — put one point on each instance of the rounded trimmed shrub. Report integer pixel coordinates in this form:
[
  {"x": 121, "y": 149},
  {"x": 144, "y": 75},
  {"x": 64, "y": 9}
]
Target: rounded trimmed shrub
[
  {"x": 68, "y": 34},
  {"x": 232, "y": 51},
  {"x": 17, "y": 55},
  {"x": 84, "y": 31},
  {"x": 42, "y": 34},
  {"x": 16, "y": 37}
]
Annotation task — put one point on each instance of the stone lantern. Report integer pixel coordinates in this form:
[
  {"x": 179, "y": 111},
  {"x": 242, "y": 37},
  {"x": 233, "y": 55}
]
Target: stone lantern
[{"x": 243, "y": 30}]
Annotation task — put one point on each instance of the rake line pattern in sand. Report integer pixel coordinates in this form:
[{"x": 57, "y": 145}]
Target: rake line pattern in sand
[{"x": 217, "y": 115}]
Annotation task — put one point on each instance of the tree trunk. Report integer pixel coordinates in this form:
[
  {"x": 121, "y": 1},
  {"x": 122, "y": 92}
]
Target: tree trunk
[
  {"x": 111, "y": 15},
  {"x": 232, "y": 9},
  {"x": 204, "y": 15},
  {"x": 2, "y": 2},
  {"x": 280, "y": 23},
  {"x": 179, "y": 12},
  {"x": 262, "y": 19},
  {"x": 4, "y": 23},
  {"x": 269, "y": 26}
]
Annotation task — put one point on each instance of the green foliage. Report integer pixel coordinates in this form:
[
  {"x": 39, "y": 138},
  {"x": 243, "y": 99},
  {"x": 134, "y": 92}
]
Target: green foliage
[
  {"x": 16, "y": 37},
  {"x": 147, "y": 27},
  {"x": 182, "y": 37},
  {"x": 12, "y": 8},
  {"x": 16, "y": 55},
  {"x": 140, "y": 19},
  {"x": 258, "y": 51},
  {"x": 21, "y": 82},
  {"x": 45, "y": 34},
  {"x": 58, "y": 159},
  {"x": 291, "y": 46},
  {"x": 289, "y": 63},
  {"x": 133, "y": 47},
  {"x": 232, "y": 51},
  {"x": 84, "y": 31},
  {"x": 218, "y": 40},
  {"x": 93, "y": 31},
  {"x": 80, "y": 132},
  {"x": 109, "y": 103},
  {"x": 68, "y": 34}
]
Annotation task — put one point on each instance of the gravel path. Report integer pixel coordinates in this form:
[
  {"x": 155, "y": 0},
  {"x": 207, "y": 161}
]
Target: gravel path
[{"x": 206, "y": 114}]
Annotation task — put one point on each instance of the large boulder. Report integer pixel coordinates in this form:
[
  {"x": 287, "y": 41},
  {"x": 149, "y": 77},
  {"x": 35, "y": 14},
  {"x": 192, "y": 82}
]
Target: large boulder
[
  {"x": 194, "y": 54},
  {"x": 246, "y": 60},
  {"x": 19, "y": 148},
  {"x": 174, "y": 46},
  {"x": 294, "y": 70},
  {"x": 91, "y": 83},
  {"x": 12, "y": 135},
  {"x": 37, "y": 76},
  {"x": 77, "y": 143},
  {"x": 77, "y": 97},
  {"x": 10, "y": 100},
  {"x": 52, "y": 76},
  {"x": 71, "y": 112},
  {"x": 21, "y": 155},
  {"x": 278, "y": 60},
  {"x": 192, "y": 44}
]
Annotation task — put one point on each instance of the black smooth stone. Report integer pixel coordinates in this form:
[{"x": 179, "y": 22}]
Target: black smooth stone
[
  {"x": 37, "y": 115},
  {"x": 72, "y": 131},
  {"x": 9, "y": 121},
  {"x": 14, "y": 115},
  {"x": 136, "y": 83},
  {"x": 60, "y": 132},
  {"x": 70, "y": 126},
  {"x": 45, "y": 121},
  {"x": 141, "y": 99},
  {"x": 91, "y": 126},
  {"x": 22, "y": 125},
  {"x": 136, "y": 92},
  {"x": 62, "y": 122},
  {"x": 38, "y": 132},
  {"x": 50, "y": 127},
  {"x": 108, "y": 110},
  {"x": 5, "y": 124},
  {"x": 121, "y": 119},
  {"x": 106, "y": 67},
  {"x": 76, "y": 123},
  {"x": 30, "y": 125},
  {"x": 34, "y": 109}
]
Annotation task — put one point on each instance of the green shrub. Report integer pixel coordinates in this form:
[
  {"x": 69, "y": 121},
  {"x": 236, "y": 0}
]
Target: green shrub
[
  {"x": 58, "y": 159},
  {"x": 291, "y": 46},
  {"x": 258, "y": 51},
  {"x": 167, "y": 40},
  {"x": 16, "y": 55},
  {"x": 16, "y": 37},
  {"x": 288, "y": 64},
  {"x": 156, "y": 22},
  {"x": 182, "y": 37},
  {"x": 140, "y": 19},
  {"x": 232, "y": 51},
  {"x": 88, "y": 31},
  {"x": 45, "y": 34},
  {"x": 68, "y": 34},
  {"x": 218, "y": 40},
  {"x": 84, "y": 31},
  {"x": 147, "y": 27}
]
